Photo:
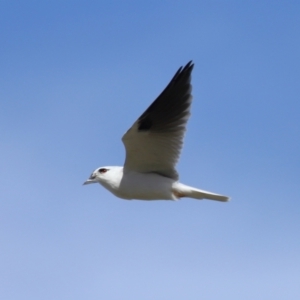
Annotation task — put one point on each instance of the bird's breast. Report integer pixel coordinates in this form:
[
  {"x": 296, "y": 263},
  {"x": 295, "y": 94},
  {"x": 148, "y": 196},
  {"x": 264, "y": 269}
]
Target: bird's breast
[{"x": 145, "y": 186}]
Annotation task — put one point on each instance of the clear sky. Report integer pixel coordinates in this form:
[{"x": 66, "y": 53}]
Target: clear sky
[{"x": 74, "y": 77}]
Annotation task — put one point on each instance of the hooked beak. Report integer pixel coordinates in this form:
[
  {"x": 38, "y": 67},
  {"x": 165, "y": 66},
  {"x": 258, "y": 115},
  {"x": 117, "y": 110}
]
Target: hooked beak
[{"x": 90, "y": 180}]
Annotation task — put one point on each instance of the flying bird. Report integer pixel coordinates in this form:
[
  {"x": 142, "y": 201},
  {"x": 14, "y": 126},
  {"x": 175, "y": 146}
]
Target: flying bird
[{"x": 153, "y": 145}]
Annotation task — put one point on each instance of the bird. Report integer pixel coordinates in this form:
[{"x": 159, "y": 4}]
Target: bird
[{"x": 153, "y": 145}]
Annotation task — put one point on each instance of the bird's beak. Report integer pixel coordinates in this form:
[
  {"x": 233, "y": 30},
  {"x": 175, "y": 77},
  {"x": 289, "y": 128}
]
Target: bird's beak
[{"x": 90, "y": 180}]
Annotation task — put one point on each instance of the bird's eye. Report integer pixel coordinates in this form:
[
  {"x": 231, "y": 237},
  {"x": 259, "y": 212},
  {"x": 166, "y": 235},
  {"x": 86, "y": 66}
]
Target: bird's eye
[{"x": 102, "y": 170}]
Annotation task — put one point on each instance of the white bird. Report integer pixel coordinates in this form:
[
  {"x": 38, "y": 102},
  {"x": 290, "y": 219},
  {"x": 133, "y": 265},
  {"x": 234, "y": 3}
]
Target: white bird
[{"x": 153, "y": 146}]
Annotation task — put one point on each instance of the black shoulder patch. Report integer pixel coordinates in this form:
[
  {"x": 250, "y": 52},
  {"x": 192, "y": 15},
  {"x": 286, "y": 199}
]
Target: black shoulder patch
[{"x": 145, "y": 124}]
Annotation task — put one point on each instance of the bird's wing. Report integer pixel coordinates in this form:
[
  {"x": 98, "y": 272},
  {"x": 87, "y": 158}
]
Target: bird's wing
[{"x": 154, "y": 141}]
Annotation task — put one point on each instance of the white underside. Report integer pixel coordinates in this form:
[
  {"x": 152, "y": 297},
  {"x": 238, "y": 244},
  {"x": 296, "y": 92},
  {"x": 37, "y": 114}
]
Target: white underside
[{"x": 151, "y": 186}]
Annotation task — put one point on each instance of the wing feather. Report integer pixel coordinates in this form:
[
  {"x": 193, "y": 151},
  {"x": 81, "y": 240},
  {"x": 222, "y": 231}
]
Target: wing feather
[{"x": 154, "y": 142}]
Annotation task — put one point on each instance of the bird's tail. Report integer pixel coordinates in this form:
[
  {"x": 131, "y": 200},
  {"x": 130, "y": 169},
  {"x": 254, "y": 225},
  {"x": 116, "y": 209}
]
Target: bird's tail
[{"x": 181, "y": 190}]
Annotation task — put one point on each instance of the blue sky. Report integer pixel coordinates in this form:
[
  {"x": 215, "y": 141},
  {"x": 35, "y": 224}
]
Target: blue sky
[{"x": 74, "y": 77}]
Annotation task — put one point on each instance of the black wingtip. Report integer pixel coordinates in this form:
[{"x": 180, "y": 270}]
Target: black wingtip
[
  {"x": 189, "y": 65},
  {"x": 187, "y": 69},
  {"x": 180, "y": 83}
]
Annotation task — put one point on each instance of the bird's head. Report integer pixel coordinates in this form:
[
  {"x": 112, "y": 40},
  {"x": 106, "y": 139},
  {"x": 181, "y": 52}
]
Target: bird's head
[{"x": 99, "y": 175}]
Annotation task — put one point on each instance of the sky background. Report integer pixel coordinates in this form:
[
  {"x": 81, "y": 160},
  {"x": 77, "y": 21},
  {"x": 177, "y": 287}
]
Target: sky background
[{"x": 74, "y": 77}]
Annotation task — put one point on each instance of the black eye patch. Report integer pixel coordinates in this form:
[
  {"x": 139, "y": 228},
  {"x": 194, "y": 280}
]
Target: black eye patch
[{"x": 102, "y": 170}]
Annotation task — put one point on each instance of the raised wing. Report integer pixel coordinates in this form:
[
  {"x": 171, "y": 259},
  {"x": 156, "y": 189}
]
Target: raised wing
[{"x": 154, "y": 141}]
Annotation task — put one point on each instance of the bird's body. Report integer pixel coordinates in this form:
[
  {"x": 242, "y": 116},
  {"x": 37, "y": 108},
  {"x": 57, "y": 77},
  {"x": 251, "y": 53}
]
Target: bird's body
[
  {"x": 153, "y": 146},
  {"x": 135, "y": 185},
  {"x": 149, "y": 186}
]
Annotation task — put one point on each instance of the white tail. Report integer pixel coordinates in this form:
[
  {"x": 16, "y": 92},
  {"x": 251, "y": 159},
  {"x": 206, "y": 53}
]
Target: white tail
[
  {"x": 199, "y": 194},
  {"x": 181, "y": 190}
]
